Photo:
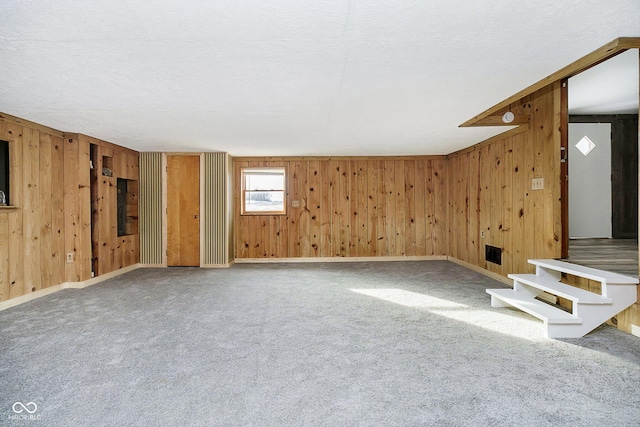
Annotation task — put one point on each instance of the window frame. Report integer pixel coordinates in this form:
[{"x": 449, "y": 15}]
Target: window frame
[
  {"x": 7, "y": 172},
  {"x": 243, "y": 190}
]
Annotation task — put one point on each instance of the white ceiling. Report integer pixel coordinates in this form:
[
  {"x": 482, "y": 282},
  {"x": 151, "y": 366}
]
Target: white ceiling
[
  {"x": 611, "y": 87},
  {"x": 305, "y": 77}
]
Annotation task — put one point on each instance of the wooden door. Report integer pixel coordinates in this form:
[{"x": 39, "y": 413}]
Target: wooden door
[{"x": 183, "y": 211}]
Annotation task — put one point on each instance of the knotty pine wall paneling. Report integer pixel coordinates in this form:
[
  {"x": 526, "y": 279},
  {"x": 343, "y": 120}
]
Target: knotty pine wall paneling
[
  {"x": 50, "y": 215},
  {"x": 349, "y": 207},
  {"x": 491, "y": 191},
  {"x": 77, "y": 206},
  {"x": 110, "y": 251},
  {"x": 40, "y": 227}
]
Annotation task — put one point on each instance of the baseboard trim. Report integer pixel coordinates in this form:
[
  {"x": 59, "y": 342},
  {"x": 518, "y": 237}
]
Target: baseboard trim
[
  {"x": 65, "y": 285},
  {"x": 340, "y": 259},
  {"x": 490, "y": 274},
  {"x": 101, "y": 278},
  {"x": 30, "y": 297},
  {"x": 95, "y": 280}
]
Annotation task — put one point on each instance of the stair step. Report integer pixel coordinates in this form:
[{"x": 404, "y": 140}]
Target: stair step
[
  {"x": 560, "y": 289},
  {"x": 606, "y": 277},
  {"x": 539, "y": 309}
]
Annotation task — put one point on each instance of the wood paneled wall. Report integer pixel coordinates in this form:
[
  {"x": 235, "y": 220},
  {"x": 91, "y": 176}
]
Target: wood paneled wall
[
  {"x": 37, "y": 233},
  {"x": 50, "y": 190},
  {"x": 349, "y": 207},
  {"x": 491, "y": 191},
  {"x": 111, "y": 252}
]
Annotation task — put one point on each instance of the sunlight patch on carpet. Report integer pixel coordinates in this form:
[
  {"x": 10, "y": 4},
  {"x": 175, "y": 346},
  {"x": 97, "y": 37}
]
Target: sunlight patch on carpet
[{"x": 514, "y": 323}]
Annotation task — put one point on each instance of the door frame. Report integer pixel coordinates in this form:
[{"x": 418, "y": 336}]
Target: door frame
[
  {"x": 564, "y": 167},
  {"x": 165, "y": 232},
  {"x": 564, "y": 139}
]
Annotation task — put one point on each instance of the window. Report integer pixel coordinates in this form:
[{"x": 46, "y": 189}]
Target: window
[
  {"x": 263, "y": 191},
  {"x": 4, "y": 172}
]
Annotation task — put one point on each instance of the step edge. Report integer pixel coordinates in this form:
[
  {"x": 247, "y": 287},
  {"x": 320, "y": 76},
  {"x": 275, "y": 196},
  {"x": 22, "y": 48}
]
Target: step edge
[
  {"x": 564, "y": 319},
  {"x": 610, "y": 278},
  {"x": 579, "y": 297}
]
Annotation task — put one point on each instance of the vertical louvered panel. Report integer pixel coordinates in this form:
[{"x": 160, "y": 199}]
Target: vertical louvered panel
[
  {"x": 229, "y": 223},
  {"x": 216, "y": 215},
  {"x": 150, "y": 208}
]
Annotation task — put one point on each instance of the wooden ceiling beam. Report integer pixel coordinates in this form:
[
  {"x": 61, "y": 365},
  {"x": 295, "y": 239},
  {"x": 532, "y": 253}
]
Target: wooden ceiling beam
[{"x": 496, "y": 120}]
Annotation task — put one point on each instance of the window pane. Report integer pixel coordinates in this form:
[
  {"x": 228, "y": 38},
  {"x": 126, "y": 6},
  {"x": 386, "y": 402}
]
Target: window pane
[
  {"x": 264, "y": 179},
  {"x": 264, "y": 201},
  {"x": 264, "y": 190}
]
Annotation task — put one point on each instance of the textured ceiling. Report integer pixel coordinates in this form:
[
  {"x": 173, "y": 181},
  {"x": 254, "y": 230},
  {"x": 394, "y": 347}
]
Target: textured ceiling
[
  {"x": 331, "y": 77},
  {"x": 611, "y": 87}
]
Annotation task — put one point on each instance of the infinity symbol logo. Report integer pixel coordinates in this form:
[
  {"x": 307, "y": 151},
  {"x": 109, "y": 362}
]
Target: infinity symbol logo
[{"x": 19, "y": 407}]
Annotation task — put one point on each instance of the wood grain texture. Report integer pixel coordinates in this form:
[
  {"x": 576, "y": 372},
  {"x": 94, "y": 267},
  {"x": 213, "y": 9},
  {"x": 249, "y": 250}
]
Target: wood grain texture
[
  {"x": 183, "y": 211},
  {"x": 13, "y": 134},
  {"x": 50, "y": 187},
  {"x": 108, "y": 251},
  {"x": 5, "y": 287},
  {"x": 350, "y": 208},
  {"x": 494, "y": 196},
  {"x": 73, "y": 231}
]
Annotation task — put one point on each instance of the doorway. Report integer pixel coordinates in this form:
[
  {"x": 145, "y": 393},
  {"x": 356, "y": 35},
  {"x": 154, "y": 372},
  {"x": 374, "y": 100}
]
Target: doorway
[
  {"x": 183, "y": 211},
  {"x": 602, "y": 221}
]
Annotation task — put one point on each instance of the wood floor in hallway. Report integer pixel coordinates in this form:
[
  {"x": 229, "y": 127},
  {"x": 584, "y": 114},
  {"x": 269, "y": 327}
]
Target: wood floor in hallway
[{"x": 617, "y": 255}]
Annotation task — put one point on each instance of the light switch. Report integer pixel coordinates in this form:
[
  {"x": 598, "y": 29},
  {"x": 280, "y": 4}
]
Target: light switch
[
  {"x": 537, "y": 184},
  {"x": 295, "y": 203}
]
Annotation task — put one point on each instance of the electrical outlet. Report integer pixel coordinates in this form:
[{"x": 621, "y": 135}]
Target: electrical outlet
[
  {"x": 537, "y": 184},
  {"x": 482, "y": 233},
  {"x": 69, "y": 257}
]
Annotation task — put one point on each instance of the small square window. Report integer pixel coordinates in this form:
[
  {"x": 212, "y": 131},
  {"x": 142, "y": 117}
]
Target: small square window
[{"x": 264, "y": 191}]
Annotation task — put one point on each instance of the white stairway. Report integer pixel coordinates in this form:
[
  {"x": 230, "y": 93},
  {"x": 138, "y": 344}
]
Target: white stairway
[{"x": 589, "y": 310}]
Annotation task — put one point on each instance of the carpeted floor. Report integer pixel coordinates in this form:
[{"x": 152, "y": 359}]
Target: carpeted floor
[{"x": 343, "y": 344}]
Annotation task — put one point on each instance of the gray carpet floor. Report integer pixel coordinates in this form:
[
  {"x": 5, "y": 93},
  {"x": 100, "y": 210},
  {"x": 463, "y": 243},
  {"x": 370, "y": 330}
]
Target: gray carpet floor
[{"x": 343, "y": 344}]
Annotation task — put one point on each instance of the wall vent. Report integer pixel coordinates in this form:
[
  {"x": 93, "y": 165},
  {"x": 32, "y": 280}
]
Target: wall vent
[{"x": 493, "y": 254}]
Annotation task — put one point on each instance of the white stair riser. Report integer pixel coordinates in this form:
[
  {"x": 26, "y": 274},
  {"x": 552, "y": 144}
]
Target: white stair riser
[
  {"x": 546, "y": 273},
  {"x": 498, "y": 303},
  {"x": 529, "y": 290}
]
